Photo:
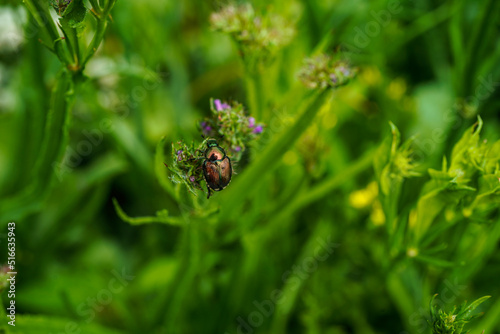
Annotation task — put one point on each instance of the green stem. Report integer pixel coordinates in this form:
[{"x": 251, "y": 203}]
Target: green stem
[
  {"x": 99, "y": 35},
  {"x": 102, "y": 24},
  {"x": 255, "y": 93},
  {"x": 95, "y": 6},
  {"x": 457, "y": 42},
  {"x": 40, "y": 11},
  {"x": 317, "y": 192},
  {"x": 270, "y": 158},
  {"x": 324, "y": 188},
  {"x": 148, "y": 219}
]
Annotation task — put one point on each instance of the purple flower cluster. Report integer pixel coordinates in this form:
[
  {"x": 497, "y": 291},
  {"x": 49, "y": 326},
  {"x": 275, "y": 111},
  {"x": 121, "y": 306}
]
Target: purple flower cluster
[
  {"x": 219, "y": 106},
  {"x": 256, "y": 129}
]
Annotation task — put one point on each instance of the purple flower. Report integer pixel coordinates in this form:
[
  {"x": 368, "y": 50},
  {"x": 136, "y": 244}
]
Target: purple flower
[
  {"x": 179, "y": 157},
  {"x": 203, "y": 124},
  {"x": 225, "y": 106},
  {"x": 258, "y": 129},
  {"x": 207, "y": 129},
  {"x": 237, "y": 148},
  {"x": 192, "y": 178},
  {"x": 251, "y": 122},
  {"x": 218, "y": 105},
  {"x": 179, "y": 152}
]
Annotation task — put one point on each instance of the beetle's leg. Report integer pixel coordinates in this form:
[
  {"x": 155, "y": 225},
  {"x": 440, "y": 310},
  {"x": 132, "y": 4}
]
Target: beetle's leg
[{"x": 208, "y": 196}]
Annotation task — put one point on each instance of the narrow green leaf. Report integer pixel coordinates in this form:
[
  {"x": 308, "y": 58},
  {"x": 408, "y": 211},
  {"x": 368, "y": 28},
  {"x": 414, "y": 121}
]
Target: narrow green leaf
[
  {"x": 491, "y": 319},
  {"x": 435, "y": 262},
  {"x": 474, "y": 305},
  {"x": 161, "y": 217},
  {"x": 55, "y": 138}
]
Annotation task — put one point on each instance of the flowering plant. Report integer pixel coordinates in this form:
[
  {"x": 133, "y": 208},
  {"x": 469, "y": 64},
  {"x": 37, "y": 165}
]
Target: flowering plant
[
  {"x": 325, "y": 71},
  {"x": 233, "y": 130}
]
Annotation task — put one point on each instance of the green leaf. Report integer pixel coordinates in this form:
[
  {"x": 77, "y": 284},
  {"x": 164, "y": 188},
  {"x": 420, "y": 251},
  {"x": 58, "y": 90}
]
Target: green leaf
[
  {"x": 49, "y": 162},
  {"x": 435, "y": 262},
  {"x": 433, "y": 312},
  {"x": 398, "y": 166},
  {"x": 437, "y": 195},
  {"x": 465, "y": 152},
  {"x": 492, "y": 158},
  {"x": 474, "y": 305}
]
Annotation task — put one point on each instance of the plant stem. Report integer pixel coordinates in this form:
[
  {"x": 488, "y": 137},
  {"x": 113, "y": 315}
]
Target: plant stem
[
  {"x": 324, "y": 188},
  {"x": 270, "y": 158},
  {"x": 472, "y": 63},
  {"x": 39, "y": 10},
  {"x": 102, "y": 23},
  {"x": 318, "y": 192},
  {"x": 255, "y": 93}
]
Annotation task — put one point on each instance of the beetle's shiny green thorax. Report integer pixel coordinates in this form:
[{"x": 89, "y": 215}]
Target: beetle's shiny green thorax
[{"x": 212, "y": 143}]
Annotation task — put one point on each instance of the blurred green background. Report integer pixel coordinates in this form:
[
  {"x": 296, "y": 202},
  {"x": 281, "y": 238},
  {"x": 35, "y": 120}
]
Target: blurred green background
[{"x": 296, "y": 243}]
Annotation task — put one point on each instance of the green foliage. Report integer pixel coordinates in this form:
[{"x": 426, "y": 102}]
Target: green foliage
[
  {"x": 334, "y": 222},
  {"x": 454, "y": 321},
  {"x": 71, "y": 49},
  {"x": 472, "y": 179}
]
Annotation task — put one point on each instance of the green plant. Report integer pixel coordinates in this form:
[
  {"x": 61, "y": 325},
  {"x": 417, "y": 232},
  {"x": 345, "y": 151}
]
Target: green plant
[
  {"x": 71, "y": 52},
  {"x": 454, "y": 321},
  {"x": 358, "y": 103}
]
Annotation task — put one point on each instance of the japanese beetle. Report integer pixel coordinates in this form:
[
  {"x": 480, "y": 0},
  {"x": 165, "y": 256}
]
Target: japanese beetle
[{"x": 217, "y": 169}]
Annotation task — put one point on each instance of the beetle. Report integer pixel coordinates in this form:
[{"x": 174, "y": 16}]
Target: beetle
[{"x": 217, "y": 169}]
